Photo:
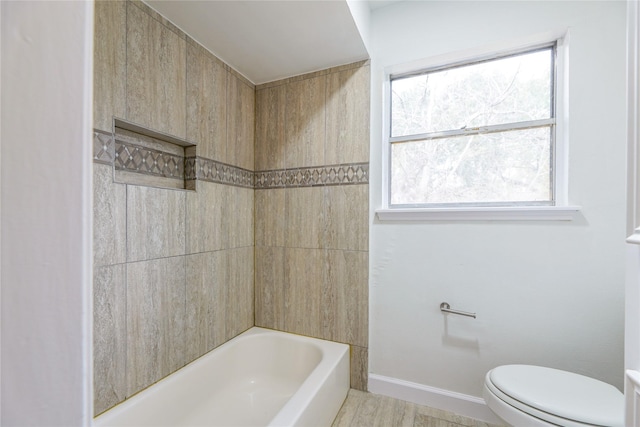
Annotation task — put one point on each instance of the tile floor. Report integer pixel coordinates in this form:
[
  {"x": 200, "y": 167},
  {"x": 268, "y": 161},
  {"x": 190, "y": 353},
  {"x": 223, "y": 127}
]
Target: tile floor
[{"x": 362, "y": 409}]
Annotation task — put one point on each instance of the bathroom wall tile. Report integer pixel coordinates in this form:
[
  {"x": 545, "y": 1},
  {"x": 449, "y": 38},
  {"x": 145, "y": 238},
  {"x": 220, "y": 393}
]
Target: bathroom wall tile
[
  {"x": 142, "y": 160},
  {"x": 269, "y": 217},
  {"x": 298, "y": 78},
  {"x": 109, "y": 217},
  {"x": 109, "y": 63},
  {"x": 206, "y": 295},
  {"x": 305, "y": 217},
  {"x": 304, "y": 272},
  {"x": 155, "y": 320},
  {"x": 206, "y": 228},
  {"x": 240, "y": 292},
  {"x": 156, "y": 74},
  {"x": 140, "y": 4},
  {"x": 240, "y": 216},
  {"x": 214, "y": 171},
  {"x": 207, "y": 103},
  {"x": 347, "y": 217},
  {"x": 270, "y": 125},
  {"x": 155, "y": 223},
  {"x": 313, "y": 74},
  {"x": 305, "y": 123},
  {"x": 148, "y": 180},
  {"x": 348, "y": 116},
  {"x": 109, "y": 336},
  {"x": 359, "y": 367},
  {"x": 103, "y": 147},
  {"x": 345, "y": 297},
  {"x": 240, "y": 123},
  {"x": 269, "y": 287},
  {"x": 351, "y": 66}
]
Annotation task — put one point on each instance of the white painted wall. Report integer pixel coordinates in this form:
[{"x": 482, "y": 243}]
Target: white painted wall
[
  {"x": 548, "y": 293},
  {"x": 46, "y": 83},
  {"x": 361, "y": 14}
]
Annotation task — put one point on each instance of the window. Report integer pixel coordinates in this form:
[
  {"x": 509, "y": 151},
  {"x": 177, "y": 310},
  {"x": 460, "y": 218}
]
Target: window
[{"x": 475, "y": 134}]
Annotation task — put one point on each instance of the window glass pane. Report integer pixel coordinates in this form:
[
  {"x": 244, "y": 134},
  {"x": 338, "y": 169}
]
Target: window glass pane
[
  {"x": 512, "y": 89},
  {"x": 511, "y": 166}
]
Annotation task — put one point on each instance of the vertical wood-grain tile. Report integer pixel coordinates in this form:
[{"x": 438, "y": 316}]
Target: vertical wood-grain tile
[
  {"x": 240, "y": 123},
  {"x": 305, "y": 123},
  {"x": 240, "y": 293},
  {"x": 109, "y": 63},
  {"x": 347, "y": 217},
  {"x": 206, "y": 229},
  {"x": 270, "y": 287},
  {"x": 155, "y": 223},
  {"x": 109, "y": 336},
  {"x": 270, "y": 217},
  {"x": 109, "y": 218},
  {"x": 304, "y": 217},
  {"x": 239, "y": 212},
  {"x": 359, "y": 367},
  {"x": 270, "y": 126},
  {"x": 156, "y": 74},
  {"x": 207, "y": 103},
  {"x": 348, "y": 116},
  {"x": 158, "y": 17},
  {"x": 303, "y": 290},
  {"x": 155, "y": 320},
  {"x": 346, "y": 297},
  {"x": 206, "y": 299}
]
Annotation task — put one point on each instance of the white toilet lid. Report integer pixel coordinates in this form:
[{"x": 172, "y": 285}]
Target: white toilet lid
[{"x": 563, "y": 394}]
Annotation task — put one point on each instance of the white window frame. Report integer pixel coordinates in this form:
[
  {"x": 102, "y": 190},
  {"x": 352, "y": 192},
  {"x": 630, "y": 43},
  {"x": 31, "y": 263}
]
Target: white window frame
[{"x": 561, "y": 210}]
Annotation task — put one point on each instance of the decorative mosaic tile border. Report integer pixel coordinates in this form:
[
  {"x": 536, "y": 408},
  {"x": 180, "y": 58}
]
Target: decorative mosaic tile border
[
  {"x": 200, "y": 168},
  {"x": 103, "y": 148},
  {"x": 140, "y": 159},
  {"x": 345, "y": 174}
]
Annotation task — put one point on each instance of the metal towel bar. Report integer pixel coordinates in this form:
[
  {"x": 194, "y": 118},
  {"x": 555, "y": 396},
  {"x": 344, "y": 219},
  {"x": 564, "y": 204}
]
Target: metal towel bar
[{"x": 446, "y": 308}]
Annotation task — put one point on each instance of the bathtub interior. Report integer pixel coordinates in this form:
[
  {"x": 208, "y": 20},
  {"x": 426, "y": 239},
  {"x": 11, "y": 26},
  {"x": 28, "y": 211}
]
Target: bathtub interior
[{"x": 259, "y": 377}]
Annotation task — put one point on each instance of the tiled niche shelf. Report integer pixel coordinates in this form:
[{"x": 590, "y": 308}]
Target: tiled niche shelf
[
  {"x": 142, "y": 156},
  {"x": 146, "y": 157}
]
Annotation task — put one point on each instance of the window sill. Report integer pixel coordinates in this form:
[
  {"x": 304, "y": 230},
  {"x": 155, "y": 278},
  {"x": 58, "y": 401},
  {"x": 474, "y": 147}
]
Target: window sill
[{"x": 506, "y": 213}]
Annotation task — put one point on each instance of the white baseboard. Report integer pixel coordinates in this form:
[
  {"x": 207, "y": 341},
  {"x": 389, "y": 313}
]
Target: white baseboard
[{"x": 462, "y": 404}]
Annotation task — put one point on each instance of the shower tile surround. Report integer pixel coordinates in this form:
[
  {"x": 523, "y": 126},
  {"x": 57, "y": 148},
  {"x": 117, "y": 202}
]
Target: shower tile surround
[
  {"x": 311, "y": 208},
  {"x": 212, "y": 240}
]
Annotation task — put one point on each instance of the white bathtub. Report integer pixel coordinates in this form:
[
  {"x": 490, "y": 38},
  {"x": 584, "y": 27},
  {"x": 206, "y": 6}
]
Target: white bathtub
[{"x": 260, "y": 378}]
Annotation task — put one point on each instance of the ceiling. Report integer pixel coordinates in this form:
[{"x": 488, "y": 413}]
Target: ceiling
[{"x": 267, "y": 40}]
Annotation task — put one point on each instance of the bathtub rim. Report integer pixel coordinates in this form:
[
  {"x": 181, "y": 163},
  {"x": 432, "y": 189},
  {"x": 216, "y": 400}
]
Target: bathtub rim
[{"x": 333, "y": 355}]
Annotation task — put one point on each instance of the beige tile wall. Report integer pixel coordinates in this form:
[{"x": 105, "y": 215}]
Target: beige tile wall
[
  {"x": 168, "y": 263},
  {"x": 312, "y": 242},
  {"x": 178, "y": 273}
]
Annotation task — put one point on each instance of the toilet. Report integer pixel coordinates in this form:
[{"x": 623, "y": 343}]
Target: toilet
[{"x": 525, "y": 395}]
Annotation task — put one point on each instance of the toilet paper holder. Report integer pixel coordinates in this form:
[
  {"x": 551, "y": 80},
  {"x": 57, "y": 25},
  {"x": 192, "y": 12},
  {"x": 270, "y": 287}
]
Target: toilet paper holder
[{"x": 446, "y": 308}]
